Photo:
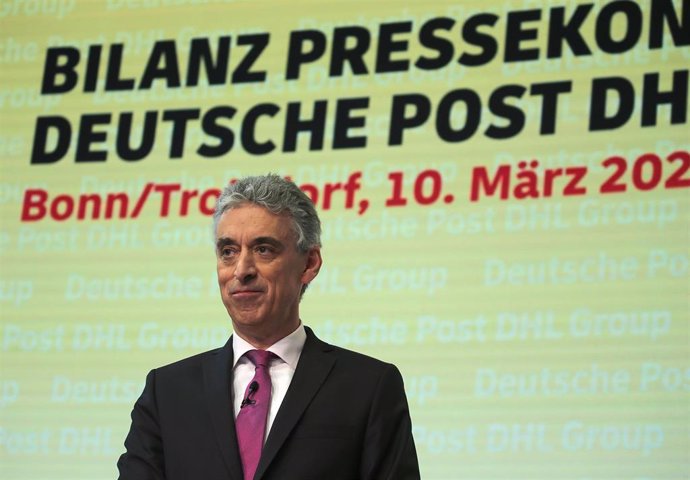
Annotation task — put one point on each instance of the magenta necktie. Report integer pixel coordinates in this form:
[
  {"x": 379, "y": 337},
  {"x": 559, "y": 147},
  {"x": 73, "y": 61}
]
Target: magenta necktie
[{"x": 251, "y": 421}]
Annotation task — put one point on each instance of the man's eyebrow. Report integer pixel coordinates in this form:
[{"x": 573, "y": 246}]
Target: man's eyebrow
[
  {"x": 269, "y": 240},
  {"x": 223, "y": 241}
]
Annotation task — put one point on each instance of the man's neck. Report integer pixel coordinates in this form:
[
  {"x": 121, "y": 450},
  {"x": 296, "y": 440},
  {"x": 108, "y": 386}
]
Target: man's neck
[{"x": 263, "y": 341}]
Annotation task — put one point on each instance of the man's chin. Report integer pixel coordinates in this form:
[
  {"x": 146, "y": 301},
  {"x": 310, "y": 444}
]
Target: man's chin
[{"x": 246, "y": 306}]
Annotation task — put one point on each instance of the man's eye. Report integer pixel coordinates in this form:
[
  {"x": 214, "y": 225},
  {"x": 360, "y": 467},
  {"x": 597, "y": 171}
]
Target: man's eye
[
  {"x": 263, "y": 250},
  {"x": 226, "y": 251}
]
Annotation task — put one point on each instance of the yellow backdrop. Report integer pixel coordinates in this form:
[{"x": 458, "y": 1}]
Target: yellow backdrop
[{"x": 504, "y": 194}]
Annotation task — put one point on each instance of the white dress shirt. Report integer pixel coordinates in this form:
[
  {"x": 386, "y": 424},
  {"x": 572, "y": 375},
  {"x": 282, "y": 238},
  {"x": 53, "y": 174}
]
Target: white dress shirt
[{"x": 282, "y": 369}]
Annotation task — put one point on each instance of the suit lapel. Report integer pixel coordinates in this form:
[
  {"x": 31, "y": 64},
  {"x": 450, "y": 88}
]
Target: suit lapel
[
  {"x": 314, "y": 366},
  {"x": 217, "y": 386}
]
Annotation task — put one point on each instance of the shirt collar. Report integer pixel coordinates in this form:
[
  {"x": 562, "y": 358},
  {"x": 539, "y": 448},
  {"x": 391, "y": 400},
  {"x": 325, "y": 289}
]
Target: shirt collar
[{"x": 288, "y": 349}]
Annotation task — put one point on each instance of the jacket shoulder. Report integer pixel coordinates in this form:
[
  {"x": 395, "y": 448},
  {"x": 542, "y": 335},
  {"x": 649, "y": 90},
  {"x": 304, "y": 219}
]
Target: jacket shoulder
[
  {"x": 189, "y": 363},
  {"x": 355, "y": 360}
]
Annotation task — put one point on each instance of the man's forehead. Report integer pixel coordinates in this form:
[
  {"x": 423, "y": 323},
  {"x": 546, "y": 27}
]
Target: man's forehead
[{"x": 254, "y": 220}]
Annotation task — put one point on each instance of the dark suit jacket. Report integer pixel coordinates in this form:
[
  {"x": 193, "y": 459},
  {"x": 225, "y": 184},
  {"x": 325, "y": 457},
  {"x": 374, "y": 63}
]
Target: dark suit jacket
[{"x": 344, "y": 417}]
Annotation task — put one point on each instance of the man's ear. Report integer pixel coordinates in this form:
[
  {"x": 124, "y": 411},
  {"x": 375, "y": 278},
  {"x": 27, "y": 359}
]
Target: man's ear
[{"x": 311, "y": 269}]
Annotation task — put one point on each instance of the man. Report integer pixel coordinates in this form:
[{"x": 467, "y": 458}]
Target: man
[{"x": 275, "y": 403}]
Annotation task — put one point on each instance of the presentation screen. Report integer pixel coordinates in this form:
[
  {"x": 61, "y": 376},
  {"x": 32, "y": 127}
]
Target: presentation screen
[{"x": 503, "y": 189}]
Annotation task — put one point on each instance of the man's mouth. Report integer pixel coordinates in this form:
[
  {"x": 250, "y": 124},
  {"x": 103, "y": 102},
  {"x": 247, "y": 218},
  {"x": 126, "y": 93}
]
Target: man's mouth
[{"x": 245, "y": 293}]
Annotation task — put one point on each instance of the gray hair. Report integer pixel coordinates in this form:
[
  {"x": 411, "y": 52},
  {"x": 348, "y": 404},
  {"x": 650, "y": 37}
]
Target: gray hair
[{"x": 278, "y": 196}]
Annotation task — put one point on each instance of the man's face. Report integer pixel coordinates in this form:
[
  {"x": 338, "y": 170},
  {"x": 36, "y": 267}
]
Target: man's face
[{"x": 261, "y": 272}]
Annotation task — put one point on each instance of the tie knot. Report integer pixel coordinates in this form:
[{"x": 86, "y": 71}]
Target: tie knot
[{"x": 260, "y": 357}]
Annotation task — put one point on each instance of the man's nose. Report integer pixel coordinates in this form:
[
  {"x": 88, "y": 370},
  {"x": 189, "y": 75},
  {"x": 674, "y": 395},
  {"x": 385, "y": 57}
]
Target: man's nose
[{"x": 245, "y": 269}]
